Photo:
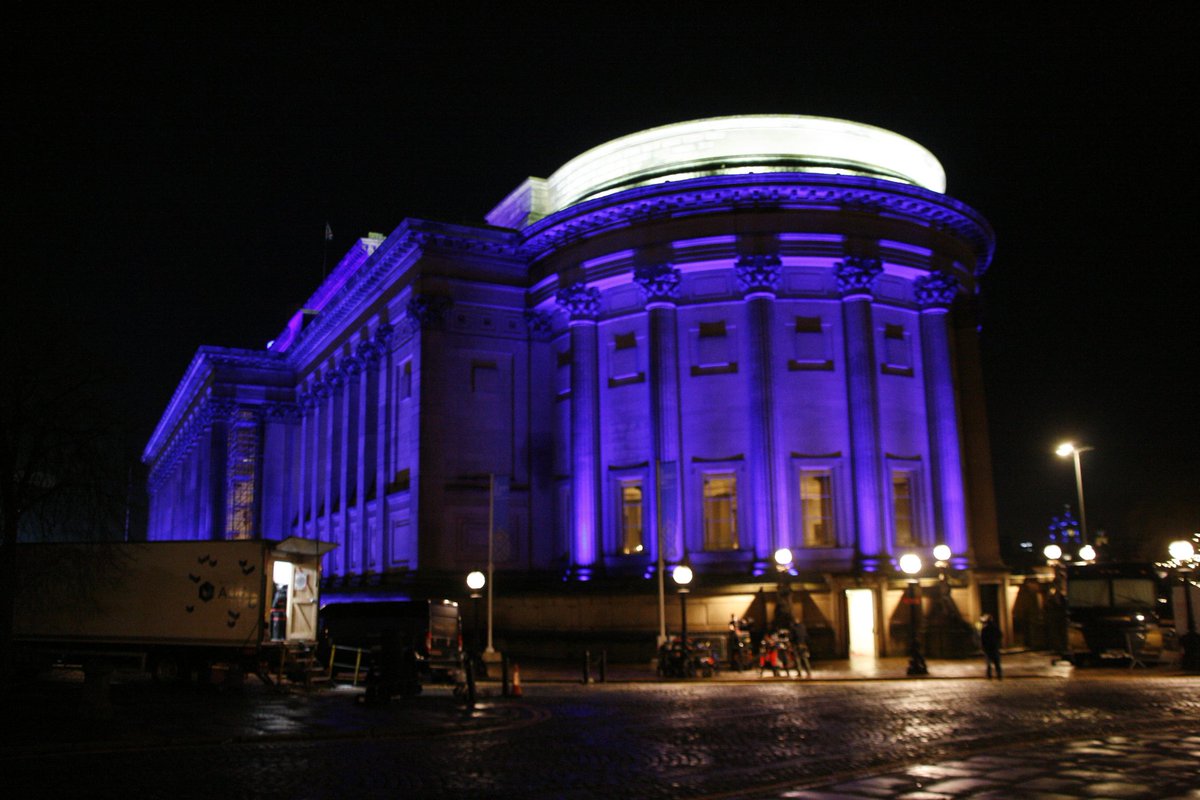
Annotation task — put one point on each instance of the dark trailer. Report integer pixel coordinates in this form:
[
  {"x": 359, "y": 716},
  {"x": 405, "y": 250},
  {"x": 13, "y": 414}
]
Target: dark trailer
[
  {"x": 427, "y": 631},
  {"x": 1113, "y": 612}
]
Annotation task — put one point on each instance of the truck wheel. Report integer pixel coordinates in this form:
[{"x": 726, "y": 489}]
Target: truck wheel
[{"x": 167, "y": 668}]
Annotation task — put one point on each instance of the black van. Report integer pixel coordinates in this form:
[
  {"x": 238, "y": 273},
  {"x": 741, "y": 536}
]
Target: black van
[{"x": 430, "y": 630}]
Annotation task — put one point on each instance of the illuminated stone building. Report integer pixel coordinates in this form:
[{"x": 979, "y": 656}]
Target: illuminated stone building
[{"x": 713, "y": 339}]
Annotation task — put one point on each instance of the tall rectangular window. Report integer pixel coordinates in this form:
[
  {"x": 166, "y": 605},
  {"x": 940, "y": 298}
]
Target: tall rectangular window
[
  {"x": 903, "y": 508},
  {"x": 816, "y": 507},
  {"x": 720, "y": 511},
  {"x": 631, "y": 517}
]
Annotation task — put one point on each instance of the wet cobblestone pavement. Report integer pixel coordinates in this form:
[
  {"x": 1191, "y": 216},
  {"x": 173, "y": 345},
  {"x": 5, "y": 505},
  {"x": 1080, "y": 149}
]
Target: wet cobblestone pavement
[{"x": 1047, "y": 731}]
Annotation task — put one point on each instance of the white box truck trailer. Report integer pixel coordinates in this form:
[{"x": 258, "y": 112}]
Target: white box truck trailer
[{"x": 170, "y": 607}]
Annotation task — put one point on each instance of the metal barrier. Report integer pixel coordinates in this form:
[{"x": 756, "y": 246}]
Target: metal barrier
[{"x": 356, "y": 666}]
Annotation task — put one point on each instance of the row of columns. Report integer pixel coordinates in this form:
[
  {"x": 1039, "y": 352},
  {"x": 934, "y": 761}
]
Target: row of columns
[
  {"x": 344, "y": 432},
  {"x": 758, "y": 278}
]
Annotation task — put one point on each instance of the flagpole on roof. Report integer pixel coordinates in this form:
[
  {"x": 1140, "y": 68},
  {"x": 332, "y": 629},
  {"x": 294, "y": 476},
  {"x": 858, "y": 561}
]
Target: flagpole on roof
[{"x": 325, "y": 257}]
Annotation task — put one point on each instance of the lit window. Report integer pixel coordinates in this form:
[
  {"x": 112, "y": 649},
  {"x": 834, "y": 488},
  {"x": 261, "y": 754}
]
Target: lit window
[
  {"x": 631, "y": 517},
  {"x": 816, "y": 507},
  {"x": 903, "y": 508},
  {"x": 720, "y": 511}
]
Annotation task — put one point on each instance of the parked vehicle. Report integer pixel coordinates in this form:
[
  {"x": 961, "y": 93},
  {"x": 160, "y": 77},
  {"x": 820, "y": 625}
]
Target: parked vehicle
[
  {"x": 425, "y": 634},
  {"x": 171, "y": 608},
  {"x": 1113, "y": 612}
]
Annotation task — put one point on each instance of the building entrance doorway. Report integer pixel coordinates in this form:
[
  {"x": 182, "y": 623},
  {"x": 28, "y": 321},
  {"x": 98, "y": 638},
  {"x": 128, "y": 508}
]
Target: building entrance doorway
[{"x": 860, "y": 613}]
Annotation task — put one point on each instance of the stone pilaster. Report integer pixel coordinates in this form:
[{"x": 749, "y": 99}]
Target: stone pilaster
[
  {"x": 660, "y": 291},
  {"x": 758, "y": 277},
  {"x": 350, "y": 467},
  {"x": 935, "y": 293},
  {"x": 582, "y": 303},
  {"x": 855, "y": 277}
]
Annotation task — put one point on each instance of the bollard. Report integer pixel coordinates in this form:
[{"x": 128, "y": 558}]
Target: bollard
[
  {"x": 587, "y": 667},
  {"x": 504, "y": 686},
  {"x": 603, "y": 666},
  {"x": 471, "y": 684}
]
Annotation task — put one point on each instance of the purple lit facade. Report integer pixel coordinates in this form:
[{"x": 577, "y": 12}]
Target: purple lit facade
[{"x": 726, "y": 362}]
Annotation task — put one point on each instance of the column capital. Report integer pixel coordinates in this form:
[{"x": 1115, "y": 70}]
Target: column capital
[
  {"x": 856, "y": 275},
  {"x": 758, "y": 273},
  {"x": 936, "y": 291},
  {"x": 369, "y": 354},
  {"x": 659, "y": 283},
  {"x": 538, "y": 324},
  {"x": 582, "y": 302},
  {"x": 426, "y": 311}
]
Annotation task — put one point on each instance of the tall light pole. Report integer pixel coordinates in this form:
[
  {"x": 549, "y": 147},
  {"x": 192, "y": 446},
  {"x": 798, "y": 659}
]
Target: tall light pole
[
  {"x": 910, "y": 565},
  {"x": 1069, "y": 449},
  {"x": 682, "y": 575}
]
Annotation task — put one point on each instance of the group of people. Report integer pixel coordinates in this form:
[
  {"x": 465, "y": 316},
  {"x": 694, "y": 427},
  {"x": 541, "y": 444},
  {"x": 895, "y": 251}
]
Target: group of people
[{"x": 785, "y": 644}]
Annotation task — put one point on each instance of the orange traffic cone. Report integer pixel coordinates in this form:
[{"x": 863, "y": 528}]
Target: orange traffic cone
[{"x": 516, "y": 680}]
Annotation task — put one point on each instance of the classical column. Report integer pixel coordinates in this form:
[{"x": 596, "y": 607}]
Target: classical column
[
  {"x": 583, "y": 305},
  {"x": 307, "y": 402},
  {"x": 660, "y": 291},
  {"x": 350, "y": 467},
  {"x": 758, "y": 278},
  {"x": 368, "y": 354},
  {"x": 385, "y": 401},
  {"x": 855, "y": 277},
  {"x": 331, "y": 489},
  {"x": 935, "y": 293},
  {"x": 317, "y": 449}
]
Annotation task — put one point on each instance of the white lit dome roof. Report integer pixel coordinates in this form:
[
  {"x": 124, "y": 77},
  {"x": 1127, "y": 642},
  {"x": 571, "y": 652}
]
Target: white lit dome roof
[
  {"x": 733, "y": 145},
  {"x": 742, "y": 144}
]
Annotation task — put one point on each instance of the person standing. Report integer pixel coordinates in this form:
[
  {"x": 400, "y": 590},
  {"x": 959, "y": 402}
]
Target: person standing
[
  {"x": 989, "y": 638},
  {"x": 800, "y": 642}
]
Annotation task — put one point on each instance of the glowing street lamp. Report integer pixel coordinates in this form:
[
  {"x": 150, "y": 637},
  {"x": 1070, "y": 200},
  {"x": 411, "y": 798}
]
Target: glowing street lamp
[
  {"x": 475, "y": 582},
  {"x": 682, "y": 575},
  {"x": 1087, "y": 553},
  {"x": 783, "y": 559},
  {"x": 1069, "y": 449},
  {"x": 910, "y": 565}
]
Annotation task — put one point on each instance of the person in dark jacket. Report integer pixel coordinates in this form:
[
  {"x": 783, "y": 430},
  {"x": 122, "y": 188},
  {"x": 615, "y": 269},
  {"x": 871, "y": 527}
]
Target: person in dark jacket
[{"x": 989, "y": 639}]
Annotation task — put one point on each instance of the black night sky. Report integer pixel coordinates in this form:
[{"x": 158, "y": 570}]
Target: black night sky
[{"x": 171, "y": 174}]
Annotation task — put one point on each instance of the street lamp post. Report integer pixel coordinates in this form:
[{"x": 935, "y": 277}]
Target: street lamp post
[
  {"x": 475, "y": 582},
  {"x": 910, "y": 565},
  {"x": 1056, "y": 613},
  {"x": 682, "y": 575},
  {"x": 1069, "y": 449},
  {"x": 1184, "y": 553}
]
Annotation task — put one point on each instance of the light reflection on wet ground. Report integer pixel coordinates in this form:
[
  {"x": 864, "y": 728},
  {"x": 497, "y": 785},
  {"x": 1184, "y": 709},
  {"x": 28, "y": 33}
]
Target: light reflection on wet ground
[{"x": 677, "y": 739}]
